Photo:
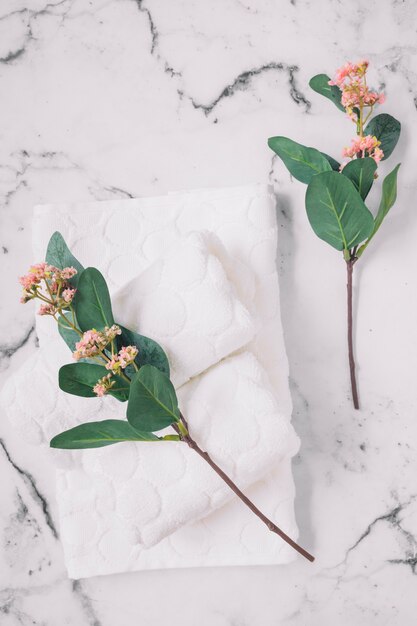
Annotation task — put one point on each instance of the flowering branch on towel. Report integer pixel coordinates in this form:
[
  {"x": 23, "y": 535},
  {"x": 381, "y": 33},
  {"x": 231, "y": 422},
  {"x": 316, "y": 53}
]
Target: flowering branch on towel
[
  {"x": 111, "y": 359},
  {"x": 336, "y": 192}
]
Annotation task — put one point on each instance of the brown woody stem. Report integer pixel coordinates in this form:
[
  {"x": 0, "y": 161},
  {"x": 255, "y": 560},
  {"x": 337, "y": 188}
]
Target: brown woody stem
[
  {"x": 349, "y": 266},
  {"x": 269, "y": 523}
]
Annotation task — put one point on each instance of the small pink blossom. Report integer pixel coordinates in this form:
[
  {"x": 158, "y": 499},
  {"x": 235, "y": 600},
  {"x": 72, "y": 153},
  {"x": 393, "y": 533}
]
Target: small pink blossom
[
  {"x": 364, "y": 146},
  {"x": 67, "y": 273},
  {"x": 377, "y": 155},
  {"x": 113, "y": 364},
  {"x": 353, "y": 71},
  {"x": 125, "y": 357},
  {"x": 354, "y": 95},
  {"x": 91, "y": 343},
  {"x": 36, "y": 273},
  {"x": 28, "y": 281},
  {"x": 103, "y": 385},
  {"x": 68, "y": 295},
  {"x": 373, "y": 97},
  {"x": 99, "y": 389},
  {"x": 47, "y": 309},
  {"x": 112, "y": 332},
  {"x": 41, "y": 270}
]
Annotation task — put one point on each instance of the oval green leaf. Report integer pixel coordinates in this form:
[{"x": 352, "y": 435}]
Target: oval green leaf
[
  {"x": 388, "y": 198},
  {"x": 153, "y": 403},
  {"x": 387, "y": 129},
  {"x": 59, "y": 255},
  {"x": 302, "y": 162},
  {"x": 335, "y": 165},
  {"x": 361, "y": 172},
  {"x": 92, "y": 304},
  {"x": 99, "y": 434},
  {"x": 320, "y": 84},
  {"x": 336, "y": 211},
  {"x": 79, "y": 379},
  {"x": 150, "y": 352}
]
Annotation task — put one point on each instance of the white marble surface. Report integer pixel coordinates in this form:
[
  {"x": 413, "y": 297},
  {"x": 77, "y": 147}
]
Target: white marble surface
[{"x": 109, "y": 98}]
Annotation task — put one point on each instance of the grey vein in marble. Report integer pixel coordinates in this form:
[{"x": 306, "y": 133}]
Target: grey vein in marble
[
  {"x": 243, "y": 81},
  {"x": 36, "y": 494},
  {"x": 28, "y": 15},
  {"x": 7, "y": 351}
]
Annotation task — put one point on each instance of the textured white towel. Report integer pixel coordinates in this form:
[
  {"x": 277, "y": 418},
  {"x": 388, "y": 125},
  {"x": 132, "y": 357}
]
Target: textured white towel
[
  {"x": 103, "y": 525},
  {"x": 186, "y": 301},
  {"x": 157, "y": 488}
]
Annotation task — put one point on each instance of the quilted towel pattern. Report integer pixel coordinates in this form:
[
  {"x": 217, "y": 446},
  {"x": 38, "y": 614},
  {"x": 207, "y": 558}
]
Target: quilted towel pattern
[
  {"x": 186, "y": 301},
  {"x": 116, "y": 503}
]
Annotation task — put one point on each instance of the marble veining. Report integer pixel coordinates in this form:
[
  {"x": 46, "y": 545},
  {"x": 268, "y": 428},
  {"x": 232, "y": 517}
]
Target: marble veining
[{"x": 120, "y": 98}]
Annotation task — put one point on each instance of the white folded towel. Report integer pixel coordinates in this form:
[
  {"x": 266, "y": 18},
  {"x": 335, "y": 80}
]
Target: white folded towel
[
  {"x": 157, "y": 488},
  {"x": 115, "y": 500},
  {"x": 185, "y": 301}
]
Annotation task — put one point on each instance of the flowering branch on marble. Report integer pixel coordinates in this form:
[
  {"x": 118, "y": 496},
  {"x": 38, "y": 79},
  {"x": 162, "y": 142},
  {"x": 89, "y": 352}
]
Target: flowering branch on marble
[
  {"x": 113, "y": 360},
  {"x": 336, "y": 193}
]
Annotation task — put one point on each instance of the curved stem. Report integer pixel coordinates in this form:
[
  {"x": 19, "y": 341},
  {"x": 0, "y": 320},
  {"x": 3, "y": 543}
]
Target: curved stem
[
  {"x": 349, "y": 266},
  {"x": 207, "y": 458}
]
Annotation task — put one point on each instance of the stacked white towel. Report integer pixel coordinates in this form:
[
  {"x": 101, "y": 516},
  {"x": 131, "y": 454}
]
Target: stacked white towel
[
  {"x": 186, "y": 301},
  {"x": 212, "y": 301}
]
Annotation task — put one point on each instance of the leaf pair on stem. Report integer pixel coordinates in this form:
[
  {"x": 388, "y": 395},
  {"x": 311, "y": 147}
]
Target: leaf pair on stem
[
  {"x": 336, "y": 194},
  {"x": 152, "y": 402},
  {"x": 143, "y": 381}
]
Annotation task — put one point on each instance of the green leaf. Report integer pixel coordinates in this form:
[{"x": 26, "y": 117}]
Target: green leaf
[
  {"x": 70, "y": 336},
  {"x": 335, "y": 165},
  {"x": 153, "y": 403},
  {"x": 302, "y": 162},
  {"x": 79, "y": 379},
  {"x": 320, "y": 84},
  {"x": 93, "y": 305},
  {"x": 389, "y": 196},
  {"x": 387, "y": 130},
  {"x": 99, "y": 434},
  {"x": 336, "y": 211},
  {"x": 150, "y": 352},
  {"x": 361, "y": 172},
  {"x": 59, "y": 255}
]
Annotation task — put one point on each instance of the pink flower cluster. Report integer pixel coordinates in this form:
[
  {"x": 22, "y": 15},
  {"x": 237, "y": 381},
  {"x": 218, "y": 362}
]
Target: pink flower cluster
[
  {"x": 91, "y": 343},
  {"x": 58, "y": 292},
  {"x": 353, "y": 96},
  {"x": 94, "y": 341},
  {"x": 351, "y": 79},
  {"x": 68, "y": 294},
  {"x": 125, "y": 357},
  {"x": 351, "y": 71},
  {"x": 364, "y": 146},
  {"x": 47, "y": 309},
  {"x": 44, "y": 271},
  {"x": 103, "y": 385},
  {"x": 67, "y": 273}
]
